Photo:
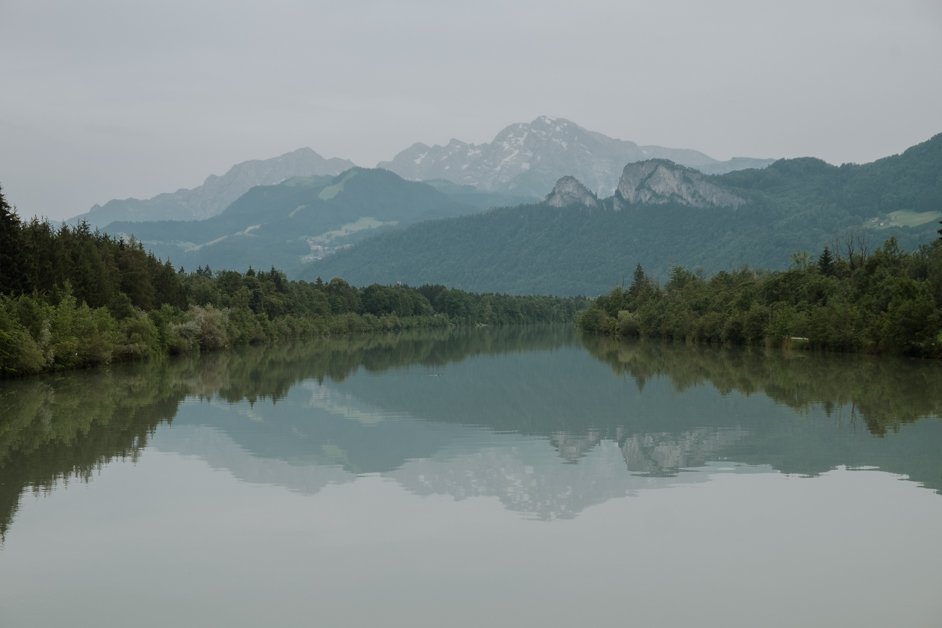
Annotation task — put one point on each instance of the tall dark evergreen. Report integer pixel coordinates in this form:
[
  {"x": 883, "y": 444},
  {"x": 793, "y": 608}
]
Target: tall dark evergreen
[
  {"x": 10, "y": 248},
  {"x": 638, "y": 280},
  {"x": 826, "y": 262}
]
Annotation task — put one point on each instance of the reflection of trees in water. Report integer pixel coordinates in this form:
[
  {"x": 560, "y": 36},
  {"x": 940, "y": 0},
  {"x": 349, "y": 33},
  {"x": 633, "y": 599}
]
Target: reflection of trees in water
[
  {"x": 64, "y": 426},
  {"x": 269, "y": 372},
  {"x": 69, "y": 425},
  {"x": 883, "y": 393}
]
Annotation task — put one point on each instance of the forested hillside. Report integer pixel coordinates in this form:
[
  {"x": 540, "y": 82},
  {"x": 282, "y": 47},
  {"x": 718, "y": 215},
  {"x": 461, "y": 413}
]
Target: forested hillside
[
  {"x": 793, "y": 205},
  {"x": 300, "y": 219}
]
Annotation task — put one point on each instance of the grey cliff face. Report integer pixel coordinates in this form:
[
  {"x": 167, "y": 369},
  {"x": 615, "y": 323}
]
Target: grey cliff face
[
  {"x": 656, "y": 182},
  {"x": 526, "y": 158},
  {"x": 568, "y": 192}
]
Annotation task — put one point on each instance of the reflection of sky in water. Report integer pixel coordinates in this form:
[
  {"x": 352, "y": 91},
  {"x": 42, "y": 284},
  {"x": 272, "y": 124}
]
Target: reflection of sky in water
[
  {"x": 511, "y": 489},
  {"x": 173, "y": 542}
]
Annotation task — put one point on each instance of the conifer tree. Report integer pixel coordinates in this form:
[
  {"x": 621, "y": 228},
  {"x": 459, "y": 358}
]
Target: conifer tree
[
  {"x": 826, "y": 262},
  {"x": 10, "y": 248}
]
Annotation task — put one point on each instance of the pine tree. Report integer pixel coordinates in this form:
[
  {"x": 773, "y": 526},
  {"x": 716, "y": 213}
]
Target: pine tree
[
  {"x": 826, "y": 262},
  {"x": 638, "y": 281},
  {"x": 10, "y": 249}
]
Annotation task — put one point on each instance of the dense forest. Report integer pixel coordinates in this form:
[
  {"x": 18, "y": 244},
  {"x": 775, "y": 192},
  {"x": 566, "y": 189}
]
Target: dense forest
[
  {"x": 71, "y": 297},
  {"x": 885, "y": 301}
]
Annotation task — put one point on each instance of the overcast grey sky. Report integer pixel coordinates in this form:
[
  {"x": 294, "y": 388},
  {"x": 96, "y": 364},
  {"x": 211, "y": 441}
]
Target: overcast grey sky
[{"x": 108, "y": 99}]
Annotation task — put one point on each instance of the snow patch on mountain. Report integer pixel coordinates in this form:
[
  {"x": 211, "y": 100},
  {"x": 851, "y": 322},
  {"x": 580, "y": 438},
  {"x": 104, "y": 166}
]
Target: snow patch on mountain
[{"x": 528, "y": 158}]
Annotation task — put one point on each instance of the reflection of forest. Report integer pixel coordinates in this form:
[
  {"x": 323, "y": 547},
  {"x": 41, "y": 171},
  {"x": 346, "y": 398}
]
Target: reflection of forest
[
  {"x": 540, "y": 383},
  {"x": 68, "y": 425},
  {"x": 883, "y": 393}
]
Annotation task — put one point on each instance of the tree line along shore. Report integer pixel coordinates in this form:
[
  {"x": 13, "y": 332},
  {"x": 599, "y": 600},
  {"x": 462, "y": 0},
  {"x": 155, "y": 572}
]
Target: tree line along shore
[
  {"x": 884, "y": 301},
  {"x": 71, "y": 297}
]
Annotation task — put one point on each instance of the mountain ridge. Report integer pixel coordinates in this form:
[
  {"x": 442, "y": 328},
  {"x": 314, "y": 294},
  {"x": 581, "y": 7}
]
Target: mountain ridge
[
  {"x": 793, "y": 205},
  {"x": 522, "y": 162},
  {"x": 216, "y": 192},
  {"x": 529, "y": 157},
  {"x": 296, "y": 220}
]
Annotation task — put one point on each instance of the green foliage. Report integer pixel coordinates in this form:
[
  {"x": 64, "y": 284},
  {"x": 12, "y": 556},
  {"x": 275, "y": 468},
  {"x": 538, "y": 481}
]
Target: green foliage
[
  {"x": 80, "y": 336},
  {"x": 19, "y": 352},
  {"x": 138, "y": 337},
  {"x": 10, "y": 248},
  {"x": 888, "y": 302}
]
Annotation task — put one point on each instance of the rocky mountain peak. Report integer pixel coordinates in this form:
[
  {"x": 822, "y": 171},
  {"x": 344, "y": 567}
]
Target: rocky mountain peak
[
  {"x": 527, "y": 157},
  {"x": 659, "y": 181},
  {"x": 568, "y": 191}
]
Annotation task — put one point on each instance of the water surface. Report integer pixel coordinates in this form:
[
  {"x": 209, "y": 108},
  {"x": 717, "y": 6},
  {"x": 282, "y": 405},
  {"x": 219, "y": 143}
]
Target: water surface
[{"x": 517, "y": 477}]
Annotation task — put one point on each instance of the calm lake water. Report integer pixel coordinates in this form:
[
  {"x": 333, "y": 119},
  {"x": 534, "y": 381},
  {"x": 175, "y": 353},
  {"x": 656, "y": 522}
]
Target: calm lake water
[{"x": 517, "y": 477}]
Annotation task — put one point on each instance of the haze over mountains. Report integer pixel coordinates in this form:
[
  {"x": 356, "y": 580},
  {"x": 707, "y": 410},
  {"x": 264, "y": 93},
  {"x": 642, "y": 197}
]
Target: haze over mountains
[
  {"x": 374, "y": 226},
  {"x": 297, "y": 220},
  {"x": 528, "y": 158},
  {"x": 661, "y": 215},
  {"x": 217, "y": 192},
  {"x": 522, "y": 162}
]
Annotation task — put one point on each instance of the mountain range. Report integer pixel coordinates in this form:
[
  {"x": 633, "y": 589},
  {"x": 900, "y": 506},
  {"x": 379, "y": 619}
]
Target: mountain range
[
  {"x": 300, "y": 220},
  {"x": 661, "y": 215},
  {"x": 519, "y": 165},
  {"x": 374, "y": 226},
  {"x": 216, "y": 192},
  {"x": 527, "y": 158}
]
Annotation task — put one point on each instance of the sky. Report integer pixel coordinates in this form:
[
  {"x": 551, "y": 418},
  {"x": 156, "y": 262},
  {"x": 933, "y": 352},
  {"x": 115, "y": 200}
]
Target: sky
[{"x": 110, "y": 99}]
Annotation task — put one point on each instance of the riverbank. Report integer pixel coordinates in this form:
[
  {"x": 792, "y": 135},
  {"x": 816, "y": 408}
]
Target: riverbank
[{"x": 886, "y": 302}]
